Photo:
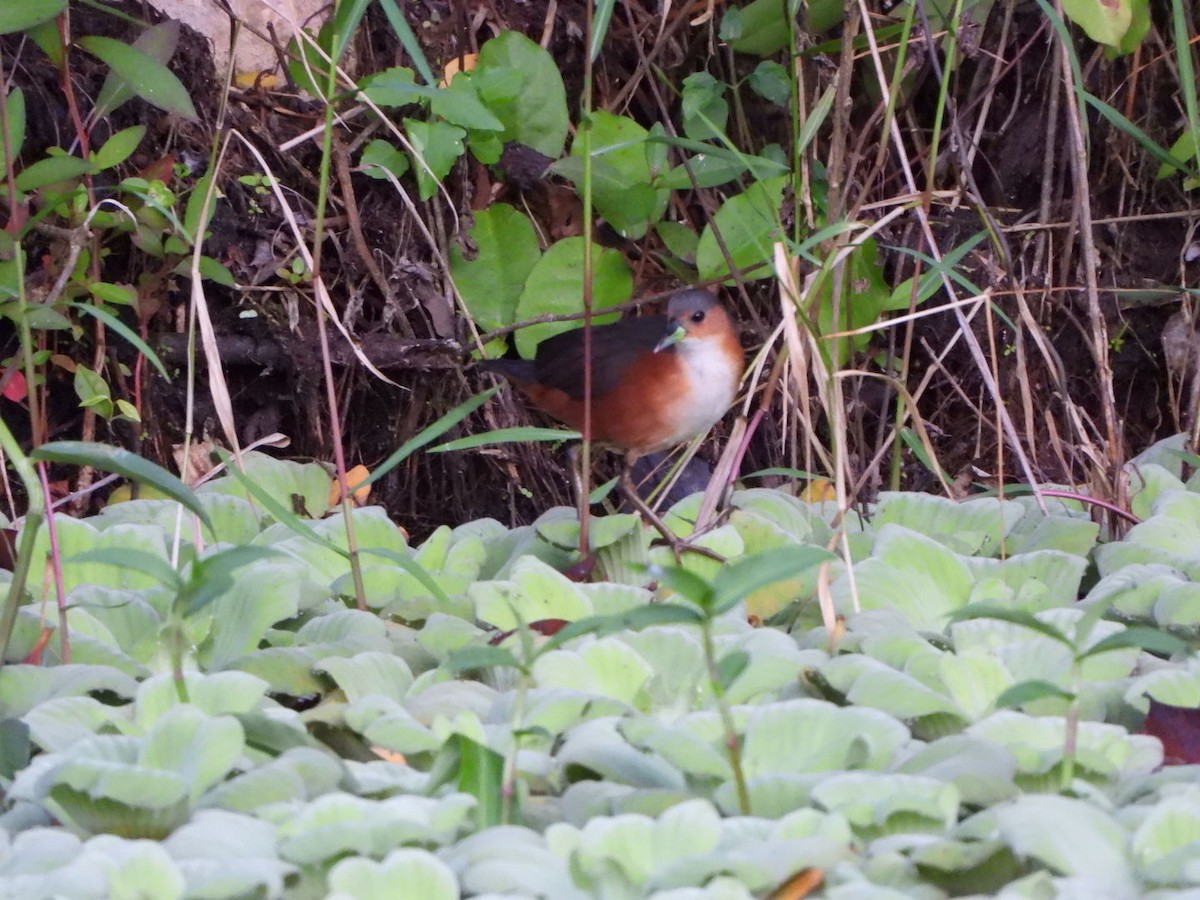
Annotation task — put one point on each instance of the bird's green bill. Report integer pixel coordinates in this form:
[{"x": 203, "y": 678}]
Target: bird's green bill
[{"x": 673, "y": 337}]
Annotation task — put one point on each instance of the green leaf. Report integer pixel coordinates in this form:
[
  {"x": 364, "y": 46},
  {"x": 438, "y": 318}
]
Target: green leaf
[
  {"x": 138, "y": 560},
  {"x": 601, "y": 19},
  {"x": 346, "y": 19},
  {"x": 524, "y": 435},
  {"x": 760, "y": 27},
  {"x": 770, "y": 81},
  {"x": 520, "y": 83},
  {"x": 1015, "y": 616},
  {"x": 686, "y": 583},
  {"x": 436, "y": 147},
  {"x": 129, "y": 465},
  {"x": 420, "y": 873},
  {"x": 1151, "y": 640},
  {"x": 119, "y": 147},
  {"x": 634, "y": 620},
  {"x": 90, "y": 387},
  {"x": 213, "y": 271},
  {"x": 481, "y": 775},
  {"x": 680, "y": 240},
  {"x": 23, "y": 15},
  {"x": 749, "y": 225},
  {"x": 506, "y": 252},
  {"x": 213, "y": 576},
  {"x": 740, "y": 578},
  {"x": 52, "y": 170},
  {"x": 1029, "y": 691},
  {"x": 149, "y": 78},
  {"x": 15, "y": 103},
  {"x": 431, "y": 433},
  {"x": 14, "y": 747},
  {"x": 624, "y": 167},
  {"x": 459, "y": 104},
  {"x": 555, "y": 287},
  {"x": 414, "y": 568},
  {"x": 731, "y": 666},
  {"x": 1104, "y": 21},
  {"x": 395, "y": 87},
  {"x": 380, "y": 154},
  {"x": 480, "y": 656},
  {"x": 705, "y": 111}
]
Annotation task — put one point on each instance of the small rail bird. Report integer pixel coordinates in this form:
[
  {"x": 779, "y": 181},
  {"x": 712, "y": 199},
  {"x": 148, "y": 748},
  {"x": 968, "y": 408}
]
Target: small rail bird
[{"x": 657, "y": 381}]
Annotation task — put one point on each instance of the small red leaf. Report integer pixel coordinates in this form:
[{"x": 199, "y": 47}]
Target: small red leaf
[
  {"x": 15, "y": 388},
  {"x": 1178, "y": 727}
]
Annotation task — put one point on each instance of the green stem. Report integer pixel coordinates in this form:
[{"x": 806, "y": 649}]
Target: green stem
[
  {"x": 733, "y": 744},
  {"x": 34, "y": 516}
]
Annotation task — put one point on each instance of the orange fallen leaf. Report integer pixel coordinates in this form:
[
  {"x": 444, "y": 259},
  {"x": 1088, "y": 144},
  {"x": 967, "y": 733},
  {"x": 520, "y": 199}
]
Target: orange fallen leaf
[
  {"x": 389, "y": 755},
  {"x": 354, "y": 478},
  {"x": 464, "y": 63}
]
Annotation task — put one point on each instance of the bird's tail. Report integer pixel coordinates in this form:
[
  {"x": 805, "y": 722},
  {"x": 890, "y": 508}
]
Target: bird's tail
[{"x": 519, "y": 370}]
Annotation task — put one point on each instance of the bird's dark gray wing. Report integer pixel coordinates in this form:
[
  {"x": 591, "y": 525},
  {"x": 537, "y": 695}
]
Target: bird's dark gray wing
[{"x": 559, "y": 360}]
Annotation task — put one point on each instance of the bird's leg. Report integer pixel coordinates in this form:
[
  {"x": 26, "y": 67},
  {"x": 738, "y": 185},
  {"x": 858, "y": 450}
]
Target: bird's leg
[
  {"x": 579, "y": 484},
  {"x": 677, "y": 544}
]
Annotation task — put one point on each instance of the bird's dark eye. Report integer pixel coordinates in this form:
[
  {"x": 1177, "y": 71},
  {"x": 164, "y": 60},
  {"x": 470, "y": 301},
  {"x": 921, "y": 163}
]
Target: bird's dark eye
[{"x": 698, "y": 316}]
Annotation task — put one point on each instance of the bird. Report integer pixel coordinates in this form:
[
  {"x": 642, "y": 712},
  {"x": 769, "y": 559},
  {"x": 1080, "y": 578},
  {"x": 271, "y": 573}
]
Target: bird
[{"x": 657, "y": 381}]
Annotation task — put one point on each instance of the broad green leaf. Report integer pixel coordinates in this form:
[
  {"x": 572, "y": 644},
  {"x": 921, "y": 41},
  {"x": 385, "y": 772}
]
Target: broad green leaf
[
  {"x": 705, "y": 111},
  {"x": 380, "y": 154},
  {"x": 520, "y": 84},
  {"x": 146, "y": 563},
  {"x": 396, "y": 86},
  {"x": 459, "y": 104},
  {"x": 880, "y": 803},
  {"x": 148, "y": 77},
  {"x": 810, "y": 736},
  {"x": 420, "y": 872},
  {"x": 200, "y": 749},
  {"x": 369, "y": 673},
  {"x": 23, "y": 687},
  {"x": 555, "y": 287},
  {"x": 760, "y": 27},
  {"x": 624, "y": 170},
  {"x": 1104, "y": 21},
  {"x": 749, "y": 225},
  {"x": 1015, "y": 616},
  {"x": 1072, "y": 837},
  {"x": 770, "y": 81},
  {"x": 506, "y": 252},
  {"x": 212, "y": 576},
  {"x": 14, "y": 744},
  {"x": 436, "y": 147}
]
